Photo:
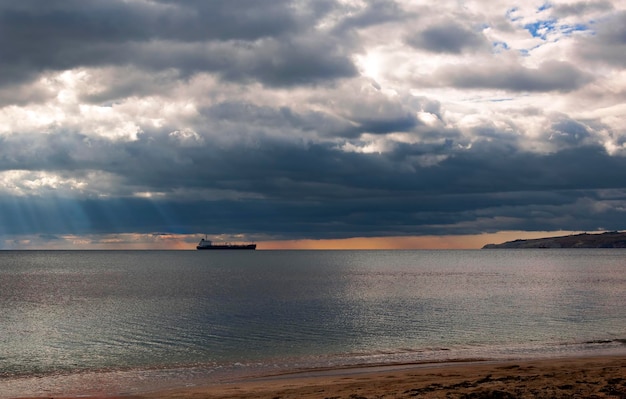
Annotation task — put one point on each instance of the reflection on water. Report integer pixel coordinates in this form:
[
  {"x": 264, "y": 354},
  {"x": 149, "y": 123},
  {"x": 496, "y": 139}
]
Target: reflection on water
[{"x": 70, "y": 312}]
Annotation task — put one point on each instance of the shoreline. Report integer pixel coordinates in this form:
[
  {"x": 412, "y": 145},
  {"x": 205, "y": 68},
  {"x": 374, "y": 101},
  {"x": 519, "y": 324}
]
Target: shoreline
[
  {"x": 603, "y": 376},
  {"x": 580, "y": 376}
]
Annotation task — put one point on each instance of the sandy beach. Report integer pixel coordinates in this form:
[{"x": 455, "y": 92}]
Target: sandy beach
[{"x": 583, "y": 377}]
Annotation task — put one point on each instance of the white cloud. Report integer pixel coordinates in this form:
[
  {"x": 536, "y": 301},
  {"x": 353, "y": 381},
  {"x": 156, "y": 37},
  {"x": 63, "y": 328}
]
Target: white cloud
[{"x": 44, "y": 183}]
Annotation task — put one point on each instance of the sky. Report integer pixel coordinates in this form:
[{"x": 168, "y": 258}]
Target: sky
[{"x": 309, "y": 124}]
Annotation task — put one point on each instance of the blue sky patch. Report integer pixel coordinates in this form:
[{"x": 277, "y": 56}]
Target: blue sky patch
[
  {"x": 499, "y": 46},
  {"x": 545, "y": 6},
  {"x": 569, "y": 29},
  {"x": 541, "y": 28}
]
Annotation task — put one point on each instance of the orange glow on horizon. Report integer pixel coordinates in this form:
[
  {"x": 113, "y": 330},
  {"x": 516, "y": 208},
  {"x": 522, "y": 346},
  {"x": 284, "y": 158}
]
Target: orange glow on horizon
[{"x": 475, "y": 241}]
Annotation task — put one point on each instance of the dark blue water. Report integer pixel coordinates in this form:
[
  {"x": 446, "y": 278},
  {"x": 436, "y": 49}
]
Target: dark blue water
[{"x": 121, "y": 317}]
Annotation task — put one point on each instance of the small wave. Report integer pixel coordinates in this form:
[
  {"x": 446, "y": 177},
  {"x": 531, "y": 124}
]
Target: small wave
[{"x": 607, "y": 341}]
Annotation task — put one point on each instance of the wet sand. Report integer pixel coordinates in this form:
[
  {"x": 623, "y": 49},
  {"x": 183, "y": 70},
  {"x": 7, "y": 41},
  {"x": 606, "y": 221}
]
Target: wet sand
[{"x": 584, "y": 377}]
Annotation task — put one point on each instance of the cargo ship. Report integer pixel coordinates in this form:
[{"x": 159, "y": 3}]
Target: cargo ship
[{"x": 207, "y": 244}]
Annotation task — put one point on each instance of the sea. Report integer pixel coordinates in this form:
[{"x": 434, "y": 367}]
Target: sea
[{"x": 86, "y": 323}]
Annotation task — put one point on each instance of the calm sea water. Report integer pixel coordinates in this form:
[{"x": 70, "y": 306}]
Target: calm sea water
[{"x": 90, "y": 321}]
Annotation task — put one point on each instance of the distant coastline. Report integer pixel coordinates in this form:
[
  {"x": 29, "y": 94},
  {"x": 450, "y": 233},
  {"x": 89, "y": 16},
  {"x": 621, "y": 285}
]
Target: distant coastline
[{"x": 613, "y": 239}]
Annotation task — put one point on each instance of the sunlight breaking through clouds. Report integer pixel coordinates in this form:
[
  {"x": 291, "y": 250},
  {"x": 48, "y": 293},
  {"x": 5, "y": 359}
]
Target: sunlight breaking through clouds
[
  {"x": 24, "y": 182},
  {"x": 309, "y": 120}
]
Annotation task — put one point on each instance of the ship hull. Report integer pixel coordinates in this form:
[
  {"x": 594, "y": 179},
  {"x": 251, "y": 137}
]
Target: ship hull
[{"x": 226, "y": 247}]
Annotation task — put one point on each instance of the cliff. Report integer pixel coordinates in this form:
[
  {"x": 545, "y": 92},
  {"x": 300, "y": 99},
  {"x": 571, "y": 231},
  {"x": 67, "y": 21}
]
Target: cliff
[{"x": 605, "y": 240}]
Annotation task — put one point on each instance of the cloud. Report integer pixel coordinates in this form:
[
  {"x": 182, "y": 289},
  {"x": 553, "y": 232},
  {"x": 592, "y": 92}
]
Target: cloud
[
  {"x": 549, "y": 76},
  {"x": 309, "y": 120},
  {"x": 277, "y": 44},
  {"x": 316, "y": 191},
  {"x": 581, "y": 8},
  {"x": 608, "y": 46},
  {"x": 447, "y": 37},
  {"x": 372, "y": 13}
]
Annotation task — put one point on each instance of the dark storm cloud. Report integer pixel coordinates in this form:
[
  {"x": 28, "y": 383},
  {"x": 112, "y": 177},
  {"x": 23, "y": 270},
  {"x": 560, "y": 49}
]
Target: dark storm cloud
[
  {"x": 51, "y": 23},
  {"x": 314, "y": 59},
  {"x": 252, "y": 118},
  {"x": 275, "y": 43},
  {"x": 447, "y": 38},
  {"x": 380, "y": 123},
  {"x": 567, "y": 132},
  {"x": 549, "y": 76},
  {"x": 293, "y": 190},
  {"x": 377, "y": 117}
]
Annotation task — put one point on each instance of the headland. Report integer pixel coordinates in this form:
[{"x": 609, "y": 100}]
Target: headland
[{"x": 613, "y": 239}]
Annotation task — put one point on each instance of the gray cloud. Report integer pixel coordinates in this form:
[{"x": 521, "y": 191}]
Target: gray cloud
[
  {"x": 609, "y": 44},
  {"x": 447, "y": 37},
  {"x": 376, "y": 12},
  {"x": 581, "y": 7},
  {"x": 550, "y": 76},
  {"x": 567, "y": 132},
  {"x": 274, "y": 43}
]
